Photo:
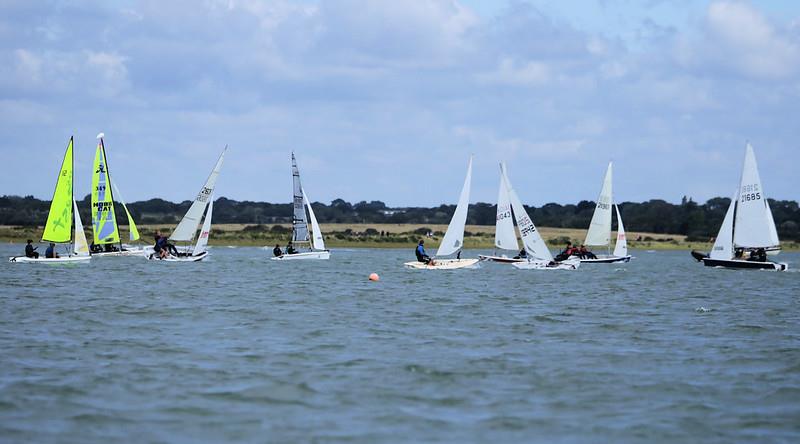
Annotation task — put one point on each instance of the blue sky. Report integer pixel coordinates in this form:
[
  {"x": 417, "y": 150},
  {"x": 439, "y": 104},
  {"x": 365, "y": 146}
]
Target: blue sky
[{"x": 385, "y": 100}]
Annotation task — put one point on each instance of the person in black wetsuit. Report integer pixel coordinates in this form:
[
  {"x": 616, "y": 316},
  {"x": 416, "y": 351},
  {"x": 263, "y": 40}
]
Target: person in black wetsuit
[
  {"x": 30, "y": 250},
  {"x": 421, "y": 255},
  {"x": 522, "y": 254},
  {"x": 290, "y": 249},
  {"x": 759, "y": 255},
  {"x": 277, "y": 251}
]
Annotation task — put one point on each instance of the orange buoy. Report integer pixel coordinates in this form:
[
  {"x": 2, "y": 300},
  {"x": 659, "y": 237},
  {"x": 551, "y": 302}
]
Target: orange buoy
[{"x": 374, "y": 277}]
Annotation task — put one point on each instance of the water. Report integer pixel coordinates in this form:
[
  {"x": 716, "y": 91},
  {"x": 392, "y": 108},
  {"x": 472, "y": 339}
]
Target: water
[{"x": 240, "y": 348}]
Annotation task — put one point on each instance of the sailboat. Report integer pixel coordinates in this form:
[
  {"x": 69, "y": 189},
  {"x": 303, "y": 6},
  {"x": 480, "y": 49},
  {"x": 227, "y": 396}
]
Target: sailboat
[
  {"x": 748, "y": 230},
  {"x": 187, "y": 227},
  {"x": 538, "y": 256},
  {"x": 104, "y": 222},
  {"x": 300, "y": 234},
  {"x": 63, "y": 222},
  {"x": 453, "y": 240},
  {"x": 599, "y": 233},
  {"x": 505, "y": 238}
]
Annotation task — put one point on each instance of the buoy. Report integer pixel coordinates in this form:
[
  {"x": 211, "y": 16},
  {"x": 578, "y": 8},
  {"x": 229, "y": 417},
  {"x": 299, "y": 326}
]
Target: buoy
[{"x": 374, "y": 277}]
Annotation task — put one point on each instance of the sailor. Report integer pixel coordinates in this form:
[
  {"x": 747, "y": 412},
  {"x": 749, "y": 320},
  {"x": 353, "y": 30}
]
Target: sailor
[
  {"x": 94, "y": 248},
  {"x": 170, "y": 247},
  {"x": 421, "y": 255},
  {"x": 586, "y": 254},
  {"x": 759, "y": 255},
  {"x": 522, "y": 254},
  {"x": 277, "y": 251},
  {"x": 30, "y": 250},
  {"x": 568, "y": 250},
  {"x": 290, "y": 249},
  {"x": 50, "y": 253},
  {"x": 159, "y": 246}
]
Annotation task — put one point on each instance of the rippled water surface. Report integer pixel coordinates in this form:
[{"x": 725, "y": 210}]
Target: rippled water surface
[{"x": 240, "y": 348}]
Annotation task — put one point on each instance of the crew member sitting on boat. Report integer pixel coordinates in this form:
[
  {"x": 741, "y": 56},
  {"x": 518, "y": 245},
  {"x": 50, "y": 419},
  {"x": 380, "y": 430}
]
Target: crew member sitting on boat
[
  {"x": 30, "y": 250},
  {"x": 290, "y": 249},
  {"x": 277, "y": 251},
  {"x": 50, "y": 253},
  {"x": 568, "y": 251},
  {"x": 110, "y": 248},
  {"x": 759, "y": 255},
  {"x": 522, "y": 254},
  {"x": 583, "y": 253},
  {"x": 94, "y": 248},
  {"x": 421, "y": 255},
  {"x": 160, "y": 247}
]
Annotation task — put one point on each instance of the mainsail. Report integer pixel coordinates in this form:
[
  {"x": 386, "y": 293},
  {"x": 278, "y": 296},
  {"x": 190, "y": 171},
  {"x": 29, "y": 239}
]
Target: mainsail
[
  {"x": 754, "y": 227},
  {"x": 600, "y": 228},
  {"x": 531, "y": 239},
  {"x": 299, "y": 223},
  {"x": 317, "y": 242},
  {"x": 104, "y": 222},
  {"x": 453, "y": 239},
  {"x": 187, "y": 227},
  {"x": 59, "y": 221},
  {"x": 504, "y": 236}
]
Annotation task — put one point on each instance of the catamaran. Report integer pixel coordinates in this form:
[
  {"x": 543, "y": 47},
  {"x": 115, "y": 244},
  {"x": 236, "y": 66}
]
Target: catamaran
[
  {"x": 300, "y": 234},
  {"x": 748, "y": 229},
  {"x": 599, "y": 233},
  {"x": 538, "y": 256},
  {"x": 453, "y": 240},
  {"x": 187, "y": 228},
  {"x": 104, "y": 222},
  {"x": 505, "y": 238},
  {"x": 63, "y": 222}
]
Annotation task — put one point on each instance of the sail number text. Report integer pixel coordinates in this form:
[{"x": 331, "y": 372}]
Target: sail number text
[{"x": 750, "y": 192}]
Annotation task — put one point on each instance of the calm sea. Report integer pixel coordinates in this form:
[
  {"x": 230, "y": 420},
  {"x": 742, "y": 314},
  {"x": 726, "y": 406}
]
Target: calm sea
[{"x": 240, "y": 348}]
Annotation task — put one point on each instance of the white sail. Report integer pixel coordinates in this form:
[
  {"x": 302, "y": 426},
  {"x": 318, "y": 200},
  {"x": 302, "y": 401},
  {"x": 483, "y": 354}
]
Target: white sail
[
  {"x": 773, "y": 231},
  {"x": 531, "y": 239},
  {"x": 504, "y": 236},
  {"x": 453, "y": 239},
  {"x": 187, "y": 227},
  {"x": 202, "y": 240},
  {"x": 133, "y": 232},
  {"x": 317, "y": 242},
  {"x": 81, "y": 247},
  {"x": 600, "y": 228},
  {"x": 723, "y": 244},
  {"x": 753, "y": 223},
  {"x": 299, "y": 222},
  {"x": 621, "y": 248}
]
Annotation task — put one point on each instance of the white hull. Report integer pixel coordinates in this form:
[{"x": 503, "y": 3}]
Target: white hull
[
  {"x": 604, "y": 259},
  {"x": 442, "y": 264},
  {"x": 44, "y": 260},
  {"x": 126, "y": 252},
  {"x": 319, "y": 255},
  {"x": 569, "y": 264},
  {"x": 198, "y": 258},
  {"x": 500, "y": 259}
]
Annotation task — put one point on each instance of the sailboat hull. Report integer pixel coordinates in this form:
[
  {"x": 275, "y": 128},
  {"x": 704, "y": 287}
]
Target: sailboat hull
[
  {"x": 44, "y": 260},
  {"x": 569, "y": 264},
  {"x": 125, "y": 252},
  {"x": 181, "y": 258},
  {"x": 442, "y": 264},
  {"x": 306, "y": 255},
  {"x": 500, "y": 259},
  {"x": 607, "y": 260},
  {"x": 748, "y": 265}
]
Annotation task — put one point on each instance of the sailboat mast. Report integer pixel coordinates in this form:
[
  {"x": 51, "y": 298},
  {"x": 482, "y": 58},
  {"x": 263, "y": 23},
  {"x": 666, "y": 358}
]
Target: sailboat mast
[
  {"x": 110, "y": 187},
  {"x": 72, "y": 193}
]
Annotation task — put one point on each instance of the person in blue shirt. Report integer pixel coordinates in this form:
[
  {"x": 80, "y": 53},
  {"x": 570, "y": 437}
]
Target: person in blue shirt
[
  {"x": 50, "y": 253},
  {"x": 421, "y": 255}
]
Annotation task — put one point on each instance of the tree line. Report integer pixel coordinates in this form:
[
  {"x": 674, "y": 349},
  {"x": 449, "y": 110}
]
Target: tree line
[{"x": 698, "y": 221}]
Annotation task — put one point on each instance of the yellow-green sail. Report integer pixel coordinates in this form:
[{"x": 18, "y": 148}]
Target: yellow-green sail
[
  {"x": 131, "y": 224},
  {"x": 59, "y": 221},
  {"x": 104, "y": 222}
]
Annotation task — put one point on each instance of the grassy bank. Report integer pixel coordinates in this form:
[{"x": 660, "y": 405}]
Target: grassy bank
[{"x": 384, "y": 236}]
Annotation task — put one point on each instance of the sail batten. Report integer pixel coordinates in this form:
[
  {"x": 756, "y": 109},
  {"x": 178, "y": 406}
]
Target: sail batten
[
  {"x": 453, "y": 239},
  {"x": 599, "y": 233},
  {"x": 58, "y": 227},
  {"x": 187, "y": 227},
  {"x": 504, "y": 236}
]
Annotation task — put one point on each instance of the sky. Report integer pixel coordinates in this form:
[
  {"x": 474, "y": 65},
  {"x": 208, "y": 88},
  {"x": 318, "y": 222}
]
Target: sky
[{"x": 386, "y": 100}]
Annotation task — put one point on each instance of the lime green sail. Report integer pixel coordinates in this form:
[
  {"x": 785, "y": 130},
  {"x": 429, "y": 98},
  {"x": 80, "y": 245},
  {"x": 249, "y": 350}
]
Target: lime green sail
[
  {"x": 104, "y": 222},
  {"x": 59, "y": 222}
]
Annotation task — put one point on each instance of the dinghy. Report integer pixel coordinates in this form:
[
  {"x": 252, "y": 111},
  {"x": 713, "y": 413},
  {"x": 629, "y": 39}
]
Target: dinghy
[
  {"x": 187, "y": 228},
  {"x": 300, "y": 234},
  {"x": 453, "y": 240},
  {"x": 538, "y": 255},
  {"x": 505, "y": 238},
  {"x": 63, "y": 221},
  {"x": 104, "y": 221},
  {"x": 599, "y": 233},
  {"x": 748, "y": 230}
]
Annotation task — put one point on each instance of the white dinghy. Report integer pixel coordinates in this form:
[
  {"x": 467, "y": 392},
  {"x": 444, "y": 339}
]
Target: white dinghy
[
  {"x": 599, "y": 233},
  {"x": 538, "y": 255},
  {"x": 300, "y": 234},
  {"x": 748, "y": 230},
  {"x": 63, "y": 221},
  {"x": 187, "y": 227},
  {"x": 453, "y": 240},
  {"x": 107, "y": 240},
  {"x": 505, "y": 239}
]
